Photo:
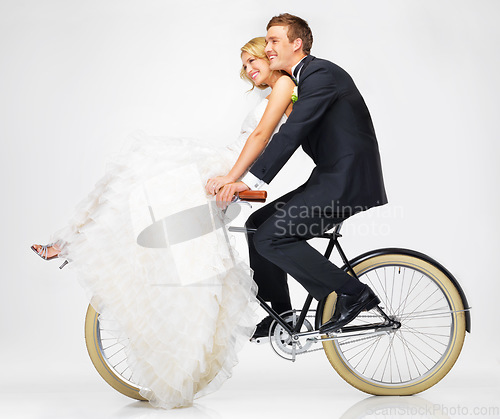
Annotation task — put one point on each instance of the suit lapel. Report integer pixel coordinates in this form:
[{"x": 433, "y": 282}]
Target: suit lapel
[{"x": 306, "y": 62}]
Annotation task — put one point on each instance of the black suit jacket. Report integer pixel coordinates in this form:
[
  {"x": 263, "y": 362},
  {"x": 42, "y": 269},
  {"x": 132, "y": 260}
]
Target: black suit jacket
[{"x": 331, "y": 122}]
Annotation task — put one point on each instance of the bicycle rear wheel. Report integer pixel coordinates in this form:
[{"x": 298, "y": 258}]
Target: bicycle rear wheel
[
  {"x": 422, "y": 351},
  {"x": 107, "y": 353}
]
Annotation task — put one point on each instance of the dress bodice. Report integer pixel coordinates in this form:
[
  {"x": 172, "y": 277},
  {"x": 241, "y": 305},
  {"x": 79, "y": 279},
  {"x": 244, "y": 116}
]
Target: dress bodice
[{"x": 250, "y": 123}]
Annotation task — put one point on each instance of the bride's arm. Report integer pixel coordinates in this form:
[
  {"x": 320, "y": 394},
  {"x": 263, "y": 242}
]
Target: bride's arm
[{"x": 279, "y": 101}]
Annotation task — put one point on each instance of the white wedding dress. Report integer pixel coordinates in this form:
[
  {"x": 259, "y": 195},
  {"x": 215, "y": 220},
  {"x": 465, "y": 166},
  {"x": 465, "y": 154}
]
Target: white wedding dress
[{"x": 149, "y": 250}]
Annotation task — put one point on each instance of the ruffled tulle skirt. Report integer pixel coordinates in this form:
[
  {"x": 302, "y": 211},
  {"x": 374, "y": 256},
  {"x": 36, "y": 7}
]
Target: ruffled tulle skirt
[{"x": 152, "y": 253}]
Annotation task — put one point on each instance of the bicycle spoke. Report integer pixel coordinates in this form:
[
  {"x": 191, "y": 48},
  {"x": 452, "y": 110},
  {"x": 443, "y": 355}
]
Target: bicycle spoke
[
  {"x": 116, "y": 343},
  {"x": 386, "y": 300},
  {"x": 114, "y": 366},
  {"x": 117, "y": 352},
  {"x": 401, "y": 290},
  {"x": 411, "y": 353},
  {"x": 443, "y": 312},
  {"x": 410, "y": 292},
  {"x": 422, "y": 340},
  {"x": 123, "y": 372},
  {"x": 427, "y": 300},
  {"x": 418, "y": 295},
  {"x": 405, "y": 351},
  {"x": 393, "y": 283},
  {"x": 433, "y": 327},
  {"x": 378, "y": 365},
  {"x": 426, "y": 333},
  {"x": 365, "y": 349},
  {"x": 417, "y": 349},
  {"x": 373, "y": 353},
  {"x": 397, "y": 366},
  {"x": 404, "y": 301},
  {"x": 387, "y": 361}
]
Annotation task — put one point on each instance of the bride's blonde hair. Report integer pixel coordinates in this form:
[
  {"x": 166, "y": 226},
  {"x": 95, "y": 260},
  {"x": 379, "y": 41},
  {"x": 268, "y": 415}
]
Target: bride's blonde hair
[{"x": 255, "y": 47}]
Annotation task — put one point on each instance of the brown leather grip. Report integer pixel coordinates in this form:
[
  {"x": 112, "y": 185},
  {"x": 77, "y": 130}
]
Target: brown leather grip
[{"x": 253, "y": 195}]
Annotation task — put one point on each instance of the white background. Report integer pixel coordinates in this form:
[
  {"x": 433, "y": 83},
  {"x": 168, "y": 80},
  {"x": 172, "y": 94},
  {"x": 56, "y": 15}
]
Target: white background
[{"x": 76, "y": 77}]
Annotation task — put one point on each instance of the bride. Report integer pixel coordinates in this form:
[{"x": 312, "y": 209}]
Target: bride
[{"x": 150, "y": 252}]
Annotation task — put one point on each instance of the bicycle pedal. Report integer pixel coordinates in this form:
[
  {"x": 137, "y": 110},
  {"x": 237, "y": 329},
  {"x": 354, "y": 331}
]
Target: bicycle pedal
[{"x": 260, "y": 341}]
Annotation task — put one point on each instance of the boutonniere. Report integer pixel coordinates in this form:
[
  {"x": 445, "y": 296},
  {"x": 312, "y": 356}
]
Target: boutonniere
[{"x": 295, "y": 94}]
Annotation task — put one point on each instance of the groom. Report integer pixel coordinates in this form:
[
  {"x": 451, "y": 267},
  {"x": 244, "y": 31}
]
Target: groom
[{"x": 331, "y": 122}]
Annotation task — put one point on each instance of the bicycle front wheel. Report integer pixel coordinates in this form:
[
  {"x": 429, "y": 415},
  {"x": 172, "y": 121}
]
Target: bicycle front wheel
[
  {"x": 107, "y": 353},
  {"x": 408, "y": 360}
]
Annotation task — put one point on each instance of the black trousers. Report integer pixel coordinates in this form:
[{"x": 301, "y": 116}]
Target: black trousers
[{"x": 279, "y": 247}]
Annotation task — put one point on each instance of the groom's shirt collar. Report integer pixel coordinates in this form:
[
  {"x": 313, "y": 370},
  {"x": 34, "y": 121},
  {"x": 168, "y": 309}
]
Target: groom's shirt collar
[{"x": 299, "y": 65}]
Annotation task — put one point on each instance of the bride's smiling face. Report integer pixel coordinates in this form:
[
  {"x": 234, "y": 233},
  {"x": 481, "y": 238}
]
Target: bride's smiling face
[{"x": 256, "y": 68}]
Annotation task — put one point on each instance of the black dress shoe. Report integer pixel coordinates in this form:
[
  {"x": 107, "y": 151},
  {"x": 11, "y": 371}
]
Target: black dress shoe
[
  {"x": 262, "y": 329},
  {"x": 348, "y": 308}
]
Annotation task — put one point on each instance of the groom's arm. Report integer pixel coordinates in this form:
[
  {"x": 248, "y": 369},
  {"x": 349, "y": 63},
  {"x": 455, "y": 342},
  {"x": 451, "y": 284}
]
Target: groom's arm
[{"x": 317, "y": 91}]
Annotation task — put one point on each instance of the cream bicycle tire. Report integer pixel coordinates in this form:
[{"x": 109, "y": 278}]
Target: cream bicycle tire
[
  {"x": 358, "y": 372},
  {"x": 99, "y": 358}
]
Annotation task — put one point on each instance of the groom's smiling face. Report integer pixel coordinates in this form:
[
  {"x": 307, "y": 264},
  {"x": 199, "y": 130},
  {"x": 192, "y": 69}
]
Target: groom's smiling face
[{"x": 279, "y": 49}]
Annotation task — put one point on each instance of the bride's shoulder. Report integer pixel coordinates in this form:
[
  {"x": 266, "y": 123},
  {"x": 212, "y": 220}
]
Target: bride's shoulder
[
  {"x": 282, "y": 88},
  {"x": 284, "y": 82}
]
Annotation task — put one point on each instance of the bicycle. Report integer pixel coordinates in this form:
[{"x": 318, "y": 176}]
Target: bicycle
[{"x": 404, "y": 346}]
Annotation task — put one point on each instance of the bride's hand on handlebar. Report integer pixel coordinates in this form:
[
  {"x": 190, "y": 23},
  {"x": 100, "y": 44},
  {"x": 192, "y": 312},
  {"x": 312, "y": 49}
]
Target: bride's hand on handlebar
[
  {"x": 226, "y": 193},
  {"x": 214, "y": 184}
]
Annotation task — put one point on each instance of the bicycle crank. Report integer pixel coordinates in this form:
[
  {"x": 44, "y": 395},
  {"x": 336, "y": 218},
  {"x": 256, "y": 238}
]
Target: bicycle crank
[{"x": 288, "y": 346}]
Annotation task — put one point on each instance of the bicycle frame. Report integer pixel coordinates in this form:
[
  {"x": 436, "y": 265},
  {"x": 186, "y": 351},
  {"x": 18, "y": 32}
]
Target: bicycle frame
[{"x": 426, "y": 348}]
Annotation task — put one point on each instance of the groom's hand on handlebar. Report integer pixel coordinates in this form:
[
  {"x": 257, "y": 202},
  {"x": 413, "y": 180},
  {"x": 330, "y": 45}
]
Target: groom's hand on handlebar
[{"x": 226, "y": 193}]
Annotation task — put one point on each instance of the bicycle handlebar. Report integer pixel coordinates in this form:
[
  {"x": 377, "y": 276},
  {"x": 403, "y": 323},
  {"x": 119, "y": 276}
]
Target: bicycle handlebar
[{"x": 256, "y": 196}]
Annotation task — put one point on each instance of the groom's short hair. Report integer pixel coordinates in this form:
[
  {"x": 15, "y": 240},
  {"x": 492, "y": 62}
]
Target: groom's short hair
[{"x": 297, "y": 28}]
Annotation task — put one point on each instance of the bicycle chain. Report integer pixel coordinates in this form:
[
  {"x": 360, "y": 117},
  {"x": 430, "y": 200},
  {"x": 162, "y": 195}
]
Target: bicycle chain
[{"x": 344, "y": 343}]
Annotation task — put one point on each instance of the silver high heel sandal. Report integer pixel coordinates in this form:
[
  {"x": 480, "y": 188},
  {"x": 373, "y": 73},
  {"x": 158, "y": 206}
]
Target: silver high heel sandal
[{"x": 43, "y": 252}]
